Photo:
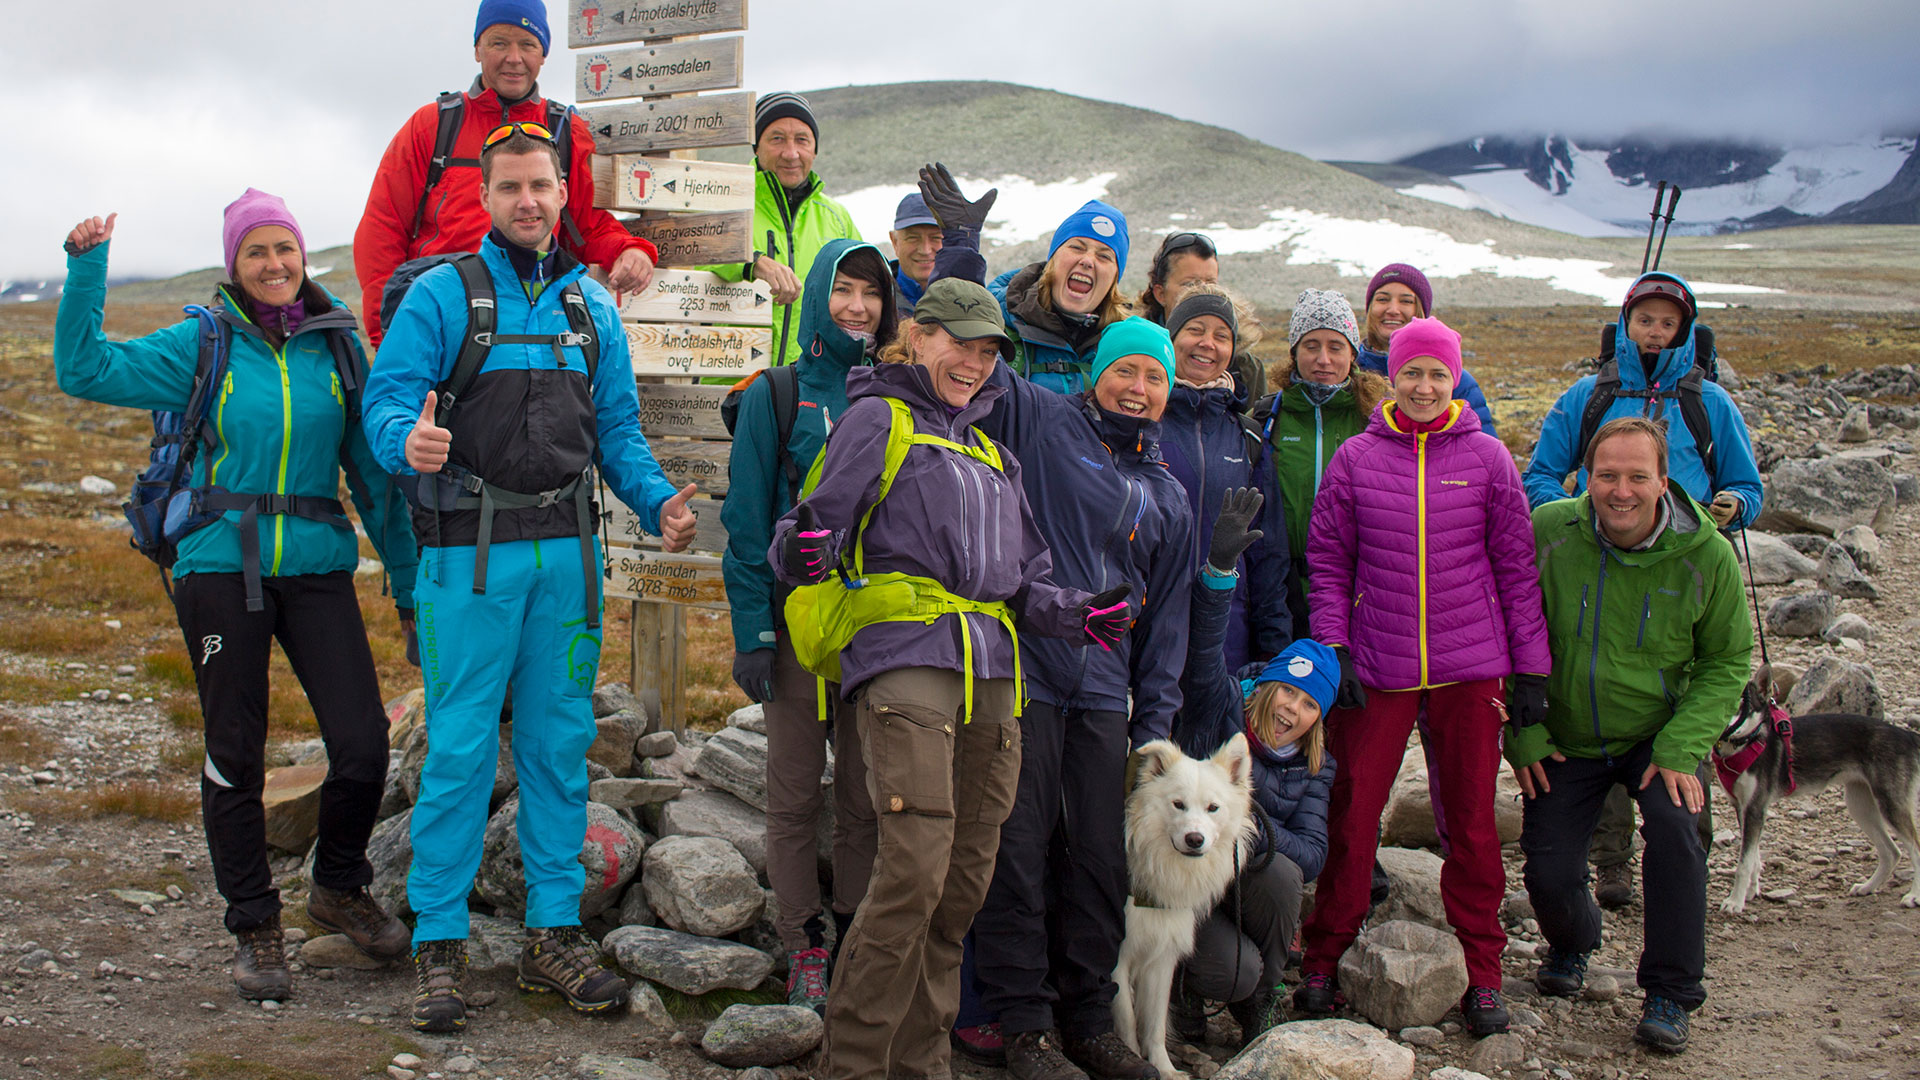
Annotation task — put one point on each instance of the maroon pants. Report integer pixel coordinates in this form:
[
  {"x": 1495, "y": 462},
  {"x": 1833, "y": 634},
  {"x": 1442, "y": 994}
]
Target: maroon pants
[{"x": 1463, "y": 742}]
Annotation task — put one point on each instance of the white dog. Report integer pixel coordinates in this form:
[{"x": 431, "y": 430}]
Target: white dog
[{"x": 1186, "y": 821}]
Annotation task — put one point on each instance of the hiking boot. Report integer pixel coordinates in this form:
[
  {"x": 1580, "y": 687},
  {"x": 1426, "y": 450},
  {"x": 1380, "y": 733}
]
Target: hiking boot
[
  {"x": 1483, "y": 1011},
  {"x": 565, "y": 961},
  {"x": 807, "y": 979},
  {"x": 1186, "y": 1013},
  {"x": 1257, "y": 1012},
  {"x": 1663, "y": 1025},
  {"x": 438, "y": 967},
  {"x": 1105, "y": 1057},
  {"x": 1035, "y": 1055},
  {"x": 1613, "y": 885},
  {"x": 981, "y": 1043},
  {"x": 1317, "y": 996},
  {"x": 357, "y": 915},
  {"x": 1561, "y": 974},
  {"x": 260, "y": 963}
]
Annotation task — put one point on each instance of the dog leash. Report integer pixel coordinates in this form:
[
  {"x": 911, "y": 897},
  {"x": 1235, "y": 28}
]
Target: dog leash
[{"x": 1753, "y": 590}]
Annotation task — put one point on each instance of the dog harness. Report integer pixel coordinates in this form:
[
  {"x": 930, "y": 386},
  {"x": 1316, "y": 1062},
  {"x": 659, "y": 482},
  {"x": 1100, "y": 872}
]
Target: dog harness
[{"x": 1731, "y": 767}]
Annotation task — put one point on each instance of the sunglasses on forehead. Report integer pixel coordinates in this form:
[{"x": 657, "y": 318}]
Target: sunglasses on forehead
[
  {"x": 524, "y": 127},
  {"x": 1181, "y": 241}
]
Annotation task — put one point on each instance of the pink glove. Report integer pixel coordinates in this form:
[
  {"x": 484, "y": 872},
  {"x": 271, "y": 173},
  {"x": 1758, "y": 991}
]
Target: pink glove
[
  {"x": 806, "y": 550},
  {"x": 1110, "y": 616}
]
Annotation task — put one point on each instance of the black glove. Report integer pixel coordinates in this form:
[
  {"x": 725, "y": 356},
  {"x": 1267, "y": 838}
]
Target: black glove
[
  {"x": 1109, "y": 616},
  {"x": 753, "y": 673},
  {"x": 413, "y": 638},
  {"x": 805, "y": 553},
  {"x": 1527, "y": 700},
  {"x": 1231, "y": 536},
  {"x": 950, "y": 206},
  {"x": 1351, "y": 694}
]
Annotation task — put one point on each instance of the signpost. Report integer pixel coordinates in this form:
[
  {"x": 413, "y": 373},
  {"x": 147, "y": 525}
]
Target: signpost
[{"x": 649, "y": 62}]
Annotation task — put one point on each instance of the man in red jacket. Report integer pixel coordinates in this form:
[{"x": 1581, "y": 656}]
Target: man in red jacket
[{"x": 408, "y": 215}]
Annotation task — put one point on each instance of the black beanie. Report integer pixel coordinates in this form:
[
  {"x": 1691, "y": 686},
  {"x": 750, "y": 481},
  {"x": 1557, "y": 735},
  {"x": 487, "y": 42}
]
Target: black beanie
[{"x": 781, "y": 106}]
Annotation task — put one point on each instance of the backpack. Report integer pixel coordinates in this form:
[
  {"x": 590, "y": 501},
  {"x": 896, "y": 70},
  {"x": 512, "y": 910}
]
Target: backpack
[
  {"x": 453, "y": 111},
  {"x": 783, "y": 382},
  {"x": 1705, "y": 356},
  {"x": 822, "y": 618},
  {"x": 163, "y": 510},
  {"x": 1687, "y": 393}
]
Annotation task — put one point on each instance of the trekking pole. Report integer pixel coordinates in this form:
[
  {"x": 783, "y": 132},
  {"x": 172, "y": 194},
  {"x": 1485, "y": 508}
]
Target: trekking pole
[
  {"x": 1759, "y": 624},
  {"x": 1652, "y": 225},
  {"x": 1673, "y": 200}
]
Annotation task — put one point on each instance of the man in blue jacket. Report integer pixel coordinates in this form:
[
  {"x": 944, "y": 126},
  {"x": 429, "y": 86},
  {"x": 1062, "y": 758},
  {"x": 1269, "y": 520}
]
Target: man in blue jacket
[
  {"x": 1654, "y": 350},
  {"x": 502, "y": 469}
]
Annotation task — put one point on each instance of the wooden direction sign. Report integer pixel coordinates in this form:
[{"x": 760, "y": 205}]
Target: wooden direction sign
[
  {"x": 672, "y": 124},
  {"x": 662, "y": 578},
  {"x": 678, "y": 409},
  {"x": 610, "y": 22},
  {"x": 699, "y": 296},
  {"x": 693, "y": 461},
  {"x": 697, "y": 239},
  {"x": 634, "y": 182},
  {"x": 621, "y": 527},
  {"x": 682, "y": 67},
  {"x": 701, "y": 351}
]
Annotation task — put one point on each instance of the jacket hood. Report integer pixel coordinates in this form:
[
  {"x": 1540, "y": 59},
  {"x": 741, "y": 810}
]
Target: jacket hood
[
  {"x": 1189, "y": 399},
  {"x": 1124, "y": 435},
  {"x": 1387, "y": 422},
  {"x": 911, "y": 384},
  {"x": 1686, "y": 531},
  {"x": 822, "y": 342},
  {"x": 324, "y": 310},
  {"x": 1673, "y": 362}
]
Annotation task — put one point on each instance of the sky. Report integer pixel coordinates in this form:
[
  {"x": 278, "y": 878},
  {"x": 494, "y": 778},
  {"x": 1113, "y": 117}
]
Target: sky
[{"x": 167, "y": 112}]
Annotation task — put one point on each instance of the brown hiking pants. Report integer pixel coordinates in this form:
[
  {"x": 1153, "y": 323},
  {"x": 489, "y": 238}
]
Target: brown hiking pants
[
  {"x": 796, "y": 757},
  {"x": 941, "y": 788}
]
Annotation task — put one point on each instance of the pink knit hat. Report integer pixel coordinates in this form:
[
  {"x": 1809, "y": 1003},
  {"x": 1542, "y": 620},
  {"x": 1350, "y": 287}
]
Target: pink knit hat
[
  {"x": 250, "y": 211},
  {"x": 1424, "y": 337}
]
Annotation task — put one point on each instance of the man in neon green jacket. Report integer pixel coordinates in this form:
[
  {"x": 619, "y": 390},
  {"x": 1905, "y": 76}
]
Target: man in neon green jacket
[
  {"x": 1651, "y": 641},
  {"x": 792, "y": 216}
]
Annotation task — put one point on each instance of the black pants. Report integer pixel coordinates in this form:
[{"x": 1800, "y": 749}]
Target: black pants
[
  {"x": 1051, "y": 926},
  {"x": 1242, "y": 947},
  {"x": 1557, "y": 831},
  {"x": 316, "y": 619}
]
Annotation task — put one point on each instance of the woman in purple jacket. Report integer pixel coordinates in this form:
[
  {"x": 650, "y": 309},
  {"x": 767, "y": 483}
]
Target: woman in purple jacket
[
  {"x": 1420, "y": 559},
  {"x": 938, "y": 696}
]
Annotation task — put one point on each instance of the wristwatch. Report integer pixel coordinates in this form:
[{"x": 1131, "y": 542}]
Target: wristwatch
[{"x": 752, "y": 263}]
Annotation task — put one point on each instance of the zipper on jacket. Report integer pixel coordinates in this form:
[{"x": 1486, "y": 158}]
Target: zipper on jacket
[
  {"x": 286, "y": 448},
  {"x": 1420, "y": 531},
  {"x": 1593, "y": 662},
  {"x": 220, "y": 429},
  {"x": 1580, "y": 626},
  {"x": 786, "y": 220},
  {"x": 1110, "y": 558},
  {"x": 1319, "y": 459},
  {"x": 1646, "y": 609}
]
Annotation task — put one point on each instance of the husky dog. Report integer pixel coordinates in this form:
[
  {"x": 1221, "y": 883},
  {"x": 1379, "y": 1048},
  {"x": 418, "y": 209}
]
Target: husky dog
[
  {"x": 1188, "y": 824},
  {"x": 1878, "y": 763}
]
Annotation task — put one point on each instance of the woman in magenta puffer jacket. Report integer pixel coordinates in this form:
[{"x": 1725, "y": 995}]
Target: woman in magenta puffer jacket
[{"x": 1420, "y": 559}]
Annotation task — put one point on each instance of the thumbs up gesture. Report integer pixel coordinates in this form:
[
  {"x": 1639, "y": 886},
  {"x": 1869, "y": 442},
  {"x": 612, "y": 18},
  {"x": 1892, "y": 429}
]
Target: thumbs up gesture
[
  {"x": 428, "y": 442},
  {"x": 677, "y": 521}
]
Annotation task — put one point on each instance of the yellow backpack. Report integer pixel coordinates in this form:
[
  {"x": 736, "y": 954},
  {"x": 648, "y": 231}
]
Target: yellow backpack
[{"x": 822, "y": 618}]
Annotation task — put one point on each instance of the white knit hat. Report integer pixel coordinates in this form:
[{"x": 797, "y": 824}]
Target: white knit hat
[{"x": 1322, "y": 309}]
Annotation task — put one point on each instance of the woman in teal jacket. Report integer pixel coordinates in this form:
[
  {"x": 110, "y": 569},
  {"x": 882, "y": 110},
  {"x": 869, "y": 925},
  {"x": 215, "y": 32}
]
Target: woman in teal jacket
[
  {"x": 846, "y": 313},
  {"x": 277, "y": 564}
]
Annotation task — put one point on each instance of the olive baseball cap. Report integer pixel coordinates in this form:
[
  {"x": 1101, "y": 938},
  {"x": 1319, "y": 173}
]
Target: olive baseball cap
[{"x": 964, "y": 309}]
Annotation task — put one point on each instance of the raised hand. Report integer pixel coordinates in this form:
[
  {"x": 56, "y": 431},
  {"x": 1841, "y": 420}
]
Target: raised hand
[
  {"x": 806, "y": 550},
  {"x": 1231, "y": 535},
  {"x": 949, "y": 205},
  {"x": 428, "y": 442},
  {"x": 1109, "y": 616},
  {"x": 90, "y": 233},
  {"x": 677, "y": 521}
]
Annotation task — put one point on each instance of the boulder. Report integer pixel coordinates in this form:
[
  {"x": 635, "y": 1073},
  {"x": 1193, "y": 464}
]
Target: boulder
[
  {"x": 1855, "y": 427},
  {"x": 1839, "y": 576},
  {"x": 633, "y": 909},
  {"x": 701, "y": 885},
  {"x": 390, "y": 850},
  {"x": 748, "y": 1035},
  {"x": 1775, "y": 562},
  {"x": 1836, "y": 685},
  {"x": 494, "y": 944},
  {"x": 1804, "y": 615},
  {"x": 1848, "y": 626},
  {"x": 626, "y": 792},
  {"x": 1825, "y": 495},
  {"x": 1408, "y": 821},
  {"x": 644, "y": 1004},
  {"x": 675, "y": 764},
  {"x": 1496, "y": 1053},
  {"x": 1413, "y": 894},
  {"x": 393, "y": 798},
  {"x": 1906, "y": 489},
  {"x": 611, "y": 854},
  {"x": 336, "y": 951},
  {"x": 655, "y": 744},
  {"x": 404, "y": 714},
  {"x": 1322, "y": 1050},
  {"x": 1403, "y": 974},
  {"x": 716, "y": 814},
  {"x": 735, "y": 759},
  {"x": 749, "y": 718},
  {"x": 614, "y": 697},
  {"x": 291, "y": 797},
  {"x": 1862, "y": 545},
  {"x": 614, "y": 736},
  {"x": 689, "y": 964},
  {"x": 610, "y": 1067},
  {"x": 1812, "y": 545}
]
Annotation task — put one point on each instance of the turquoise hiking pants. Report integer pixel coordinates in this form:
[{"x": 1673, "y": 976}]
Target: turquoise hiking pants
[{"x": 529, "y": 628}]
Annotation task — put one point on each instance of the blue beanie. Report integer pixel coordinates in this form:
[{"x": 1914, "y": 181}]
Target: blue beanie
[
  {"x": 1133, "y": 337},
  {"x": 1308, "y": 665},
  {"x": 529, "y": 15},
  {"x": 1095, "y": 221}
]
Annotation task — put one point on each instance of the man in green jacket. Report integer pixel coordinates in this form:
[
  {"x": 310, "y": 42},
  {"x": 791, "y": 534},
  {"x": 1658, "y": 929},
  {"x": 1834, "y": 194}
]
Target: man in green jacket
[
  {"x": 1651, "y": 642},
  {"x": 792, "y": 216}
]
